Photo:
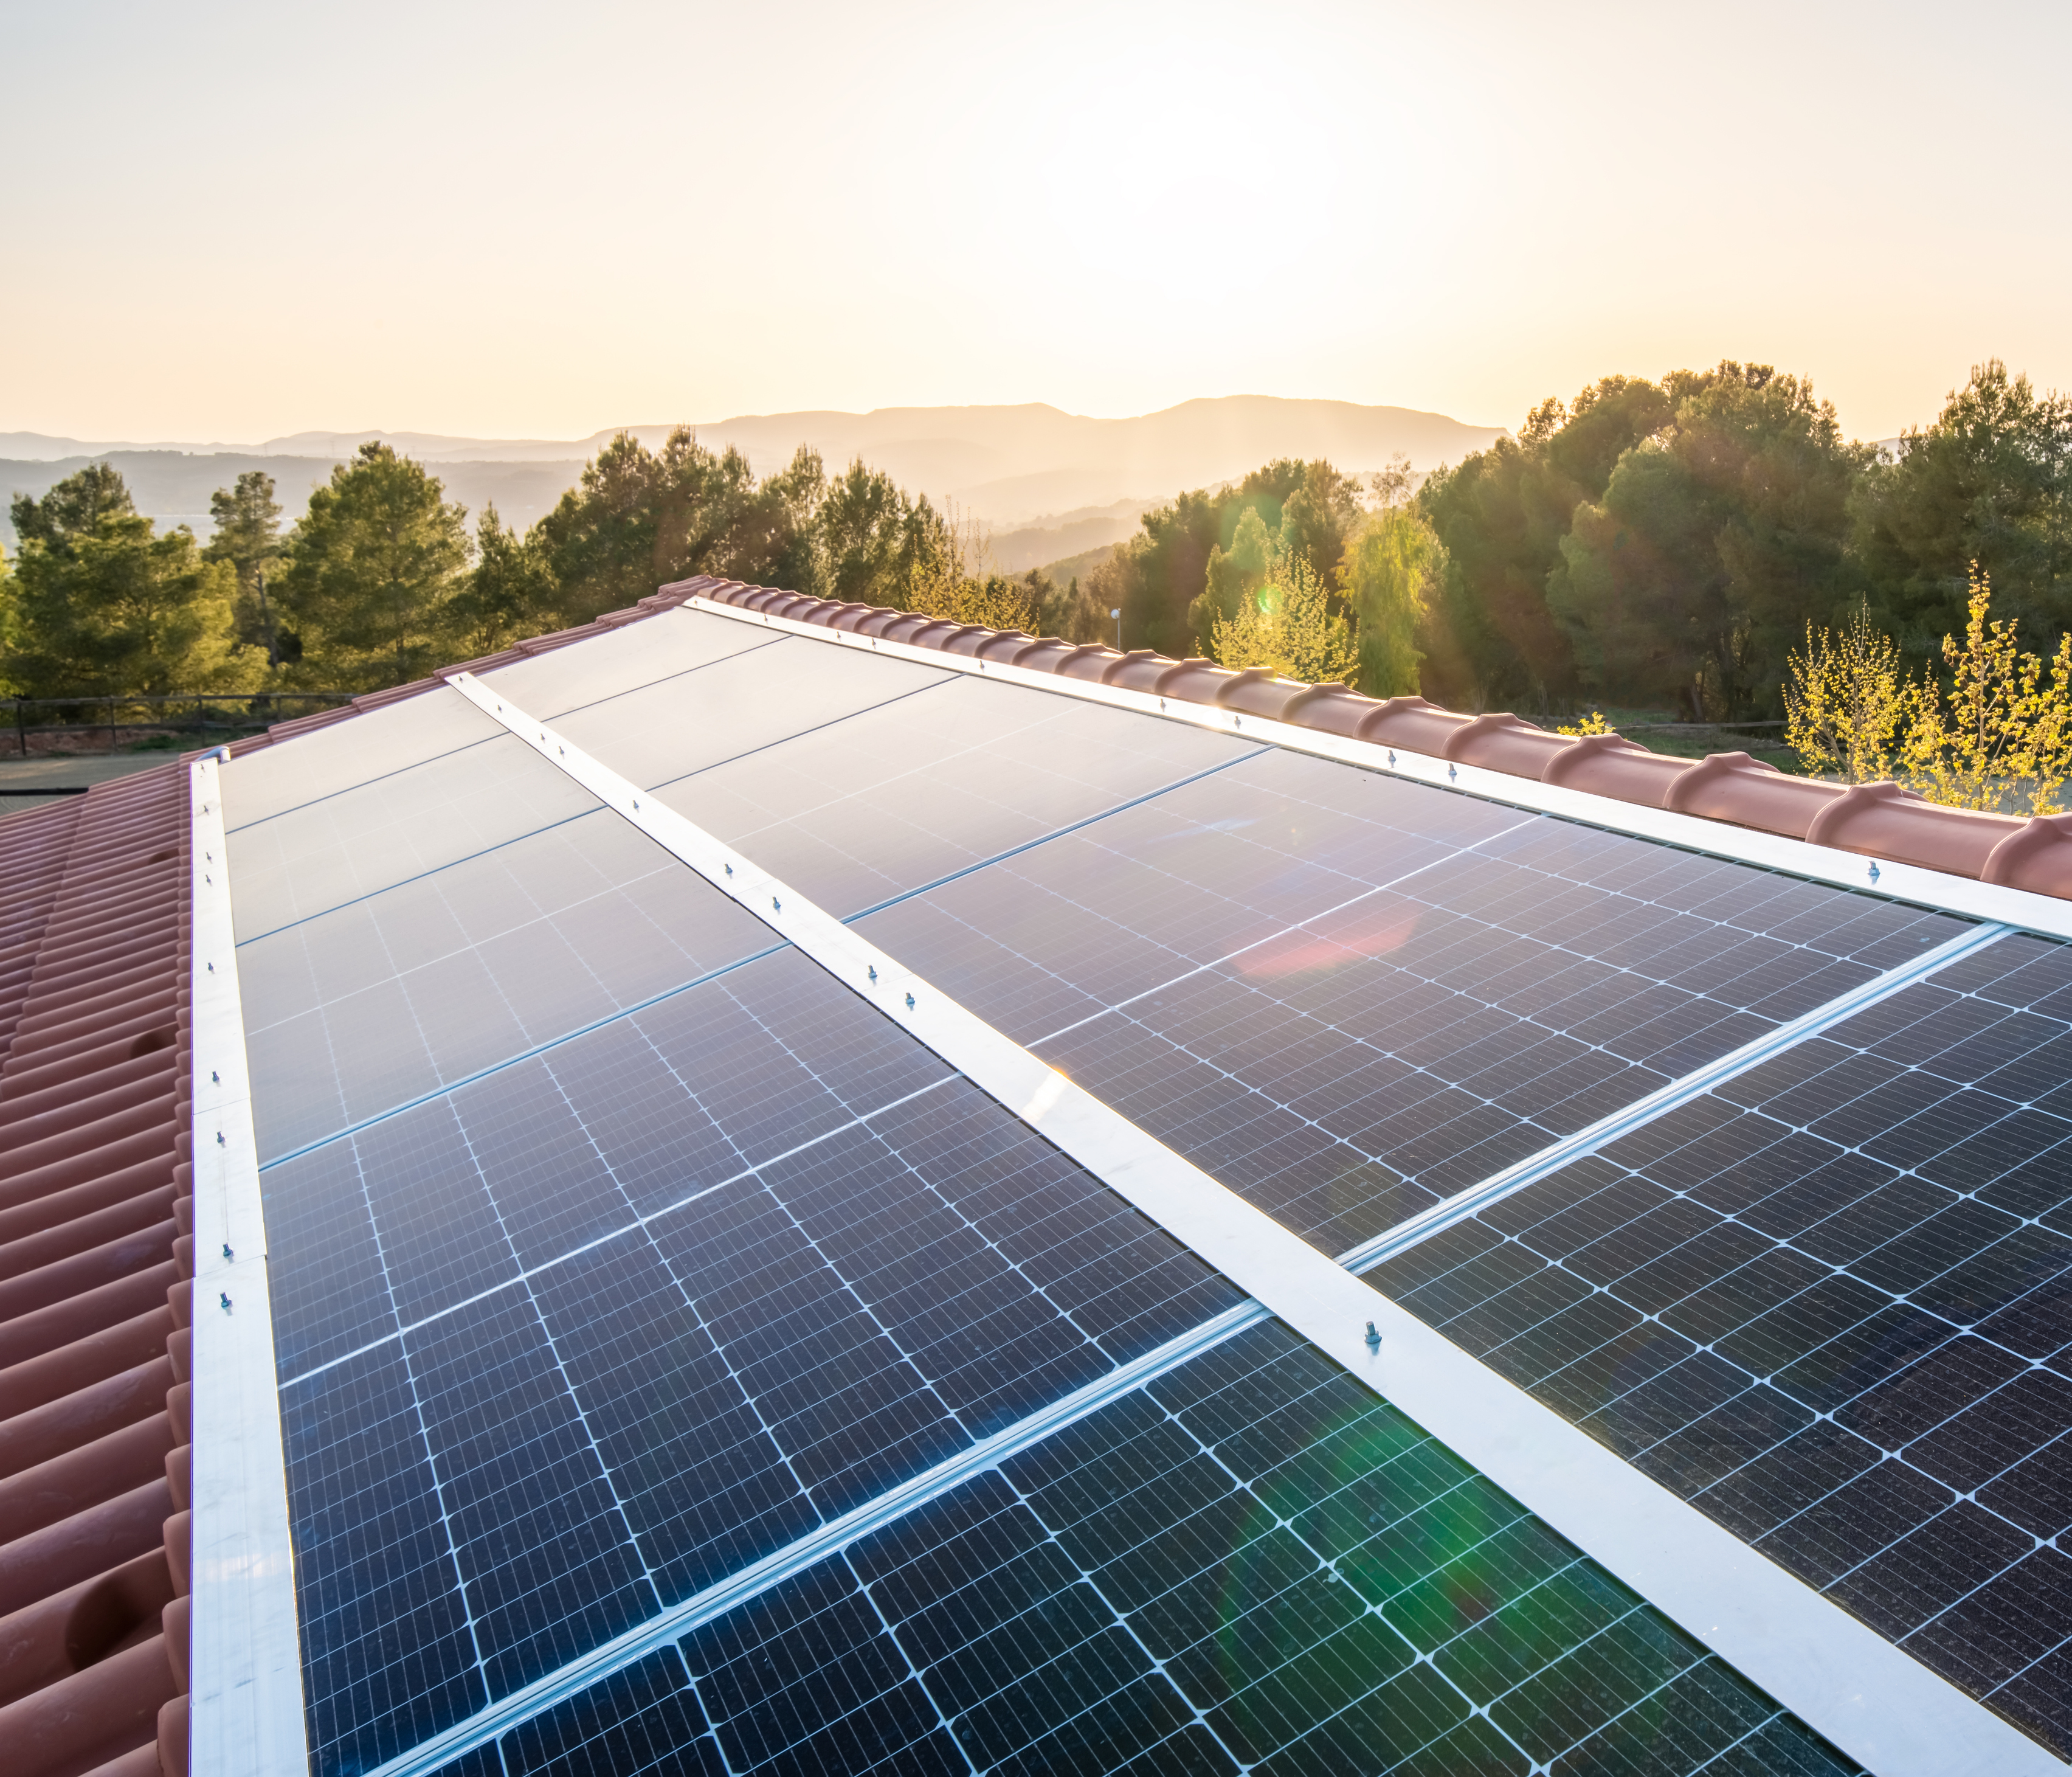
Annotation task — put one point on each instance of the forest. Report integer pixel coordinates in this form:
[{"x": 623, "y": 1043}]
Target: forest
[{"x": 1643, "y": 545}]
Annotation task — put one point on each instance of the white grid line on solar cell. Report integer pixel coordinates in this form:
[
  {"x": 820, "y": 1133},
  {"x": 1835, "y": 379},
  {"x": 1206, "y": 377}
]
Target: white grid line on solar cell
[
  {"x": 656, "y": 998},
  {"x": 954, "y": 1473},
  {"x": 1895, "y": 881},
  {"x": 715, "y": 1601},
  {"x": 536, "y": 1050},
  {"x": 957, "y": 1595},
  {"x": 1089, "y": 1335},
  {"x": 246, "y": 1668},
  {"x": 1841, "y": 1677},
  {"x": 1607, "y": 1129},
  {"x": 1327, "y": 1566},
  {"x": 1546, "y": 1120}
]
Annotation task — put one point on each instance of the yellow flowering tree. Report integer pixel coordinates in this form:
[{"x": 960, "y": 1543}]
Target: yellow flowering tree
[
  {"x": 1289, "y": 627},
  {"x": 1845, "y": 701},
  {"x": 2004, "y": 735}
]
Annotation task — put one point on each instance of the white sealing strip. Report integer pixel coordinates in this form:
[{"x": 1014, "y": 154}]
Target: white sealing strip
[
  {"x": 1876, "y": 1702},
  {"x": 2018, "y": 907},
  {"x": 245, "y": 1668},
  {"x": 1663, "y": 1099}
]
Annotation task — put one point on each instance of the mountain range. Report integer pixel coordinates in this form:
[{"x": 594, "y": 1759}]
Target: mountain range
[{"x": 1013, "y": 469}]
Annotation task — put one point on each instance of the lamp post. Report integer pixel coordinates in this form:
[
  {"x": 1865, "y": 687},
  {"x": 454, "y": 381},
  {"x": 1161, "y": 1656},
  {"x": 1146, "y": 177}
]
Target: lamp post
[{"x": 1117, "y": 614}]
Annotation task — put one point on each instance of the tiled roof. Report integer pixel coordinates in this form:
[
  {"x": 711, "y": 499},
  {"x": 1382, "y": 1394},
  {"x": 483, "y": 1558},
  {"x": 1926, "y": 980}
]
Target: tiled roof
[{"x": 94, "y": 1203}]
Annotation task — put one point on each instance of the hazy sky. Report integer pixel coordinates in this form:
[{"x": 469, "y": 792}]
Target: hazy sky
[{"x": 236, "y": 220}]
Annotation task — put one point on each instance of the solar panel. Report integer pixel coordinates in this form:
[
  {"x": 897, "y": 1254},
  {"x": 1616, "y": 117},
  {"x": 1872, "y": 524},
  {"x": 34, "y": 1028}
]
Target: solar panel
[
  {"x": 1347, "y": 997},
  {"x": 1831, "y": 1304},
  {"x": 659, "y": 732},
  {"x": 576, "y": 1339},
  {"x": 1252, "y": 1564},
  {"x": 358, "y": 1011},
  {"x": 898, "y": 796},
  {"x": 665, "y": 646},
  {"x": 375, "y": 743},
  {"x": 339, "y": 848}
]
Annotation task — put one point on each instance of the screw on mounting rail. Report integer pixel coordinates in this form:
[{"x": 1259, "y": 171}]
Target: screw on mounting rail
[
  {"x": 1452, "y": 775},
  {"x": 1874, "y": 873},
  {"x": 223, "y": 1296},
  {"x": 873, "y": 972},
  {"x": 220, "y": 1141},
  {"x": 215, "y": 1078},
  {"x": 910, "y": 1002},
  {"x": 227, "y": 1253},
  {"x": 1373, "y": 1337},
  {"x": 730, "y": 870},
  {"x": 776, "y": 903},
  {"x": 1391, "y": 755}
]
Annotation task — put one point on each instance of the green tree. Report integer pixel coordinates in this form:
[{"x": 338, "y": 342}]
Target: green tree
[
  {"x": 511, "y": 593},
  {"x": 2004, "y": 734},
  {"x": 1393, "y": 564},
  {"x": 1490, "y": 636},
  {"x": 373, "y": 569},
  {"x": 247, "y": 536},
  {"x": 1712, "y": 543},
  {"x": 882, "y": 545},
  {"x": 102, "y": 604},
  {"x": 1845, "y": 698},
  {"x": 639, "y": 519},
  {"x": 1989, "y": 483},
  {"x": 1187, "y": 565}
]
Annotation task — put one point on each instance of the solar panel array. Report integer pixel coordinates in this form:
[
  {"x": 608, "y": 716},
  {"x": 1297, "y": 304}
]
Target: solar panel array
[{"x": 615, "y": 1247}]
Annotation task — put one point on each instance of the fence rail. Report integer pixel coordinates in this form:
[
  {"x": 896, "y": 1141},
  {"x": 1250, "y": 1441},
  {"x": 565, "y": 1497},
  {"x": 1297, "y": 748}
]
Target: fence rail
[{"x": 178, "y": 712}]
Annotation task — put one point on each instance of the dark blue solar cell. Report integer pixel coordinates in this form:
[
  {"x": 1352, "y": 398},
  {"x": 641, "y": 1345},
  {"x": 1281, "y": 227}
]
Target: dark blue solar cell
[
  {"x": 390, "y": 1654},
  {"x": 352, "y": 1013},
  {"x": 1252, "y": 1564},
  {"x": 898, "y": 796},
  {"x": 1831, "y": 1304}
]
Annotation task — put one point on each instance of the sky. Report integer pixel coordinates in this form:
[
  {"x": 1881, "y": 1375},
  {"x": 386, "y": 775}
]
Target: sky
[{"x": 236, "y": 221}]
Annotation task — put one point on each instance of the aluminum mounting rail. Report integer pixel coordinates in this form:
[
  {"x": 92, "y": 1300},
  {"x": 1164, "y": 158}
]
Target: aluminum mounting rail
[
  {"x": 245, "y": 1666},
  {"x": 1873, "y": 1701}
]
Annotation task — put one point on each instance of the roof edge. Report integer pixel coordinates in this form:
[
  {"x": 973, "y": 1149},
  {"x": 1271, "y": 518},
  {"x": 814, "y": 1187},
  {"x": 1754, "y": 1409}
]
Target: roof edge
[{"x": 1875, "y": 838}]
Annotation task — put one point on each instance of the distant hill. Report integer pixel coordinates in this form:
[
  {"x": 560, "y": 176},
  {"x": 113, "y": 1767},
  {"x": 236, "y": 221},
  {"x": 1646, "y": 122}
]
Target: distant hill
[
  {"x": 1007, "y": 467},
  {"x": 173, "y": 487}
]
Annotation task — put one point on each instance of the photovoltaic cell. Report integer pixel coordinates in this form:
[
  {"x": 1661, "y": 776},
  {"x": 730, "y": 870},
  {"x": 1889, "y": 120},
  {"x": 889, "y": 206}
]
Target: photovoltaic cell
[
  {"x": 376, "y": 1004},
  {"x": 750, "y": 700},
  {"x": 1347, "y": 997},
  {"x": 900, "y": 795},
  {"x": 325, "y": 854},
  {"x": 1252, "y": 1564},
  {"x": 570, "y": 1342},
  {"x": 1831, "y": 1304},
  {"x": 372, "y": 744},
  {"x": 665, "y": 646}
]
